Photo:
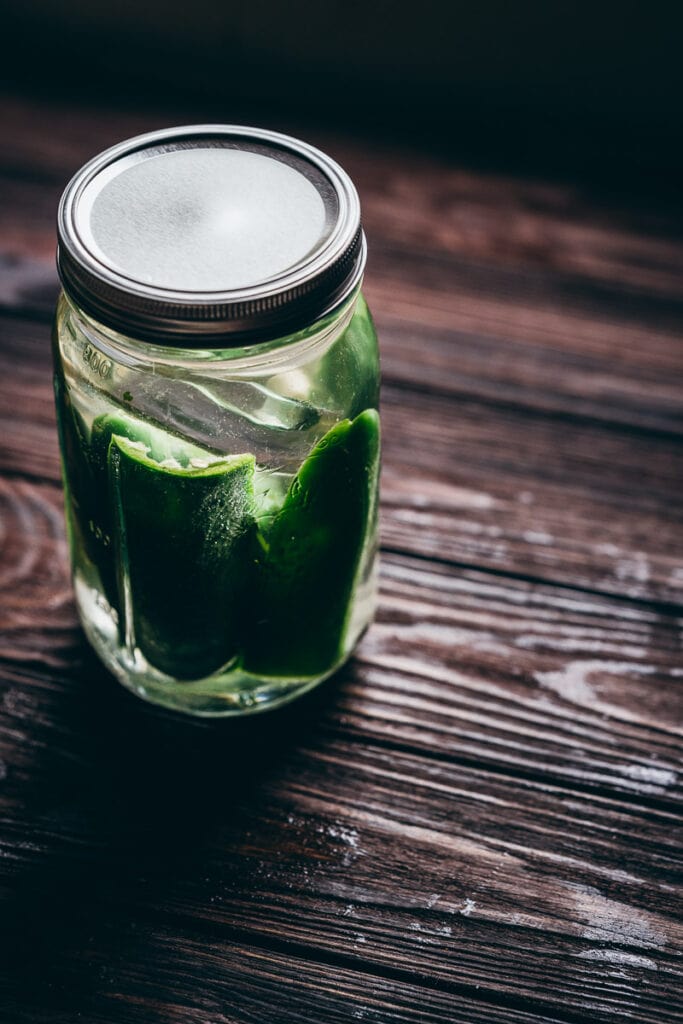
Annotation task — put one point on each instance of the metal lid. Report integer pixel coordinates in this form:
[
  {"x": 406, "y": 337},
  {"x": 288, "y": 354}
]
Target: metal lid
[{"x": 209, "y": 235}]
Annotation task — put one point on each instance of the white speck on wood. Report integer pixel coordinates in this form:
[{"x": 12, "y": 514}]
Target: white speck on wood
[
  {"x": 537, "y": 537},
  {"x": 606, "y": 919},
  {"x": 617, "y": 956},
  {"x": 636, "y": 568},
  {"x": 347, "y": 835},
  {"x": 572, "y": 683},
  {"x": 660, "y": 777},
  {"x": 676, "y": 576},
  {"x": 467, "y": 908},
  {"x": 440, "y": 493},
  {"x": 571, "y": 644},
  {"x": 608, "y": 549}
]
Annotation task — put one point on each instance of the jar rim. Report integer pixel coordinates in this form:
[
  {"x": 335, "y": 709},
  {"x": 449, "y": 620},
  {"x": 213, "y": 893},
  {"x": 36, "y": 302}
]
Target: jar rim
[
  {"x": 252, "y": 356},
  {"x": 284, "y": 301}
]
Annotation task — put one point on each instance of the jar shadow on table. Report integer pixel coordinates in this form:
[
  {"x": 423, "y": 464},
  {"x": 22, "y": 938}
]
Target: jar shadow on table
[
  {"x": 157, "y": 760},
  {"x": 136, "y": 807}
]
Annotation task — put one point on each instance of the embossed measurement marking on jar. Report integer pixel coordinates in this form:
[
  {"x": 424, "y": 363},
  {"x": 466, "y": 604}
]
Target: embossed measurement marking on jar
[
  {"x": 99, "y": 533},
  {"x": 98, "y": 363}
]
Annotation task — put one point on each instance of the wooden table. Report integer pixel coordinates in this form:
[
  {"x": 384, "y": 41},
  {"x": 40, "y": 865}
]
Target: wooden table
[{"x": 476, "y": 820}]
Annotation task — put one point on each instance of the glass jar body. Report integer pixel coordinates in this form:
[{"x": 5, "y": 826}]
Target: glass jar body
[{"x": 221, "y": 506}]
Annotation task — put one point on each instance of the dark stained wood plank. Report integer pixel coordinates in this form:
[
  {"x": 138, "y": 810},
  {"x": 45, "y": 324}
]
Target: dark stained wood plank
[
  {"x": 28, "y": 218},
  {"x": 311, "y": 846},
  {"x": 507, "y": 338},
  {"x": 195, "y": 981},
  {"x": 520, "y": 493},
  {"x": 285, "y": 856},
  {"x": 194, "y": 971},
  {"x": 28, "y": 287}
]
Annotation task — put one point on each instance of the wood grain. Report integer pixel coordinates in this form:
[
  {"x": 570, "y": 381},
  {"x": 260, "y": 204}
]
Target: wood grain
[
  {"x": 464, "y": 687},
  {"x": 478, "y": 819}
]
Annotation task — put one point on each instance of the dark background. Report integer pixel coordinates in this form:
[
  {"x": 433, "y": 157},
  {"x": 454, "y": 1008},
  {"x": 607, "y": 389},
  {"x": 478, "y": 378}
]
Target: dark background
[{"x": 568, "y": 89}]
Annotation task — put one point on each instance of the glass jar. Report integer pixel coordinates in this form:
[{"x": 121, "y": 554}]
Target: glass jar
[{"x": 216, "y": 382}]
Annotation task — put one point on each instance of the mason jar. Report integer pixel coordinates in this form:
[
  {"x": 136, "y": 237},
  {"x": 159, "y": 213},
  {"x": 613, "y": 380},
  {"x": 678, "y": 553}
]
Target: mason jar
[{"x": 216, "y": 382}]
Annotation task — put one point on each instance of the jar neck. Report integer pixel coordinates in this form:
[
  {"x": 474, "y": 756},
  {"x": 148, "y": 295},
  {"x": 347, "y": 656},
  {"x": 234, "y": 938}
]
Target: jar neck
[{"x": 263, "y": 357}]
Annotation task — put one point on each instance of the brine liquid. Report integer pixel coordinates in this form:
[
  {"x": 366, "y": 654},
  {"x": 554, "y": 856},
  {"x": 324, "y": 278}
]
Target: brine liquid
[
  {"x": 229, "y": 691},
  {"x": 154, "y": 613}
]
